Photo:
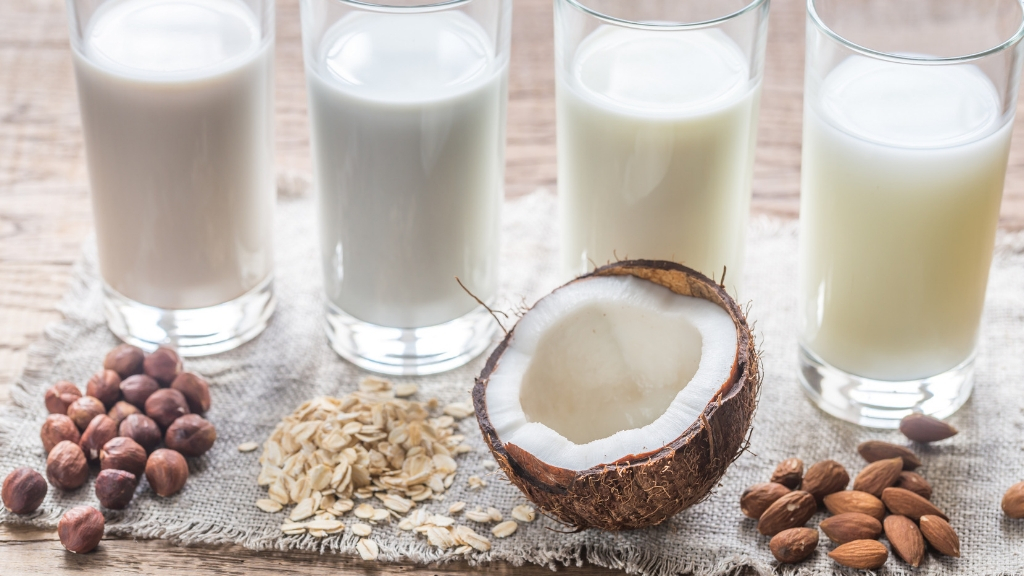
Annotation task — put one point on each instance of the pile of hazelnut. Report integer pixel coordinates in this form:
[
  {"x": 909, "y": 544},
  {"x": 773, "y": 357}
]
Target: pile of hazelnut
[{"x": 131, "y": 406}]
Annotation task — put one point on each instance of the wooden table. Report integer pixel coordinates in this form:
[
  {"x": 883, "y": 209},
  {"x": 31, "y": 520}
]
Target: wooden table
[{"x": 45, "y": 215}]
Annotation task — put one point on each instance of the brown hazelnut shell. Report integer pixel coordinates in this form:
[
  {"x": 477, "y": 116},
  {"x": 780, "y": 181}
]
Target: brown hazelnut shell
[
  {"x": 125, "y": 359},
  {"x": 122, "y": 410},
  {"x": 165, "y": 406},
  {"x": 23, "y": 491},
  {"x": 196, "y": 391},
  {"x": 81, "y": 529},
  {"x": 137, "y": 388},
  {"x": 166, "y": 471},
  {"x": 104, "y": 386},
  {"x": 191, "y": 435},
  {"x": 163, "y": 365},
  {"x": 56, "y": 429},
  {"x": 100, "y": 431},
  {"x": 123, "y": 454},
  {"x": 60, "y": 396},
  {"x": 66, "y": 466},
  {"x": 83, "y": 410},
  {"x": 143, "y": 430},
  {"x": 115, "y": 488}
]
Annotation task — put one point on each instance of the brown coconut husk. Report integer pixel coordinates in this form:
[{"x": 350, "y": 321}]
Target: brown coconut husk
[{"x": 643, "y": 489}]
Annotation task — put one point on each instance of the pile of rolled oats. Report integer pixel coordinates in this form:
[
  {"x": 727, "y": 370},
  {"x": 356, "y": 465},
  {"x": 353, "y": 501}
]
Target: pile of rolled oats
[{"x": 374, "y": 445}]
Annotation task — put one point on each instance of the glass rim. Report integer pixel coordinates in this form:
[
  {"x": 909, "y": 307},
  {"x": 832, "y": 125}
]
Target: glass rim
[
  {"x": 381, "y": 6},
  {"x": 754, "y": 4},
  {"x": 919, "y": 60}
]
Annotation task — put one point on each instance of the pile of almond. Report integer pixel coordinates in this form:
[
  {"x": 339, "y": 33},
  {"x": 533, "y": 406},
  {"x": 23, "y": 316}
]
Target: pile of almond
[{"x": 887, "y": 497}]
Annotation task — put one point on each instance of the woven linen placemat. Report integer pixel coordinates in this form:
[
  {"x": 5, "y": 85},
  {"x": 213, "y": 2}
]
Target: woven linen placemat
[{"x": 257, "y": 384}]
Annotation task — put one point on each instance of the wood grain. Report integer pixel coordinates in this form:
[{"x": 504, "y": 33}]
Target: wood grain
[{"x": 45, "y": 215}]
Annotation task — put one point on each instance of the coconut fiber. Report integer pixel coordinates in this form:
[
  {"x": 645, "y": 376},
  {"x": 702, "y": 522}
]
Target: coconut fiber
[{"x": 257, "y": 384}]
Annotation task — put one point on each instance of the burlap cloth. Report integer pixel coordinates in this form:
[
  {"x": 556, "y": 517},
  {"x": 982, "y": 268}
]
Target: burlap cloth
[{"x": 254, "y": 386}]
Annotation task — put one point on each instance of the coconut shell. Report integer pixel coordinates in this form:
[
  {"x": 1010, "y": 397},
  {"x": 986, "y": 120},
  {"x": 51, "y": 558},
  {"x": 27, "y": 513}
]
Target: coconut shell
[{"x": 642, "y": 490}]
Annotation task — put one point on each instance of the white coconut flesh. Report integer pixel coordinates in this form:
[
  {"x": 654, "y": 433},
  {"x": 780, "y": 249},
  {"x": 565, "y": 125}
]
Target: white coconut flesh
[{"x": 608, "y": 367}]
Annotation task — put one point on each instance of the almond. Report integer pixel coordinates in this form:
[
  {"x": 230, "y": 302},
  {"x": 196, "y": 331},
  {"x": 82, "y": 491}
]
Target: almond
[
  {"x": 789, "y": 473},
  {"x": 940, "y": 535},
  {"x": 921, "y": 428},
  {"x": 790, "y": 511},
  {"x": 875, "y": 450},
  {"x": 915, "y": 483},
  {"x": 1013, "y": 501},
  {"x": 861, "y": 554},
  {"x": 794, "y": 545},
  {"x": 905, "y": 538},
  {"x": 905, "y": 502},
  {"x": 850, "y": 526},
  {"x": 878, "y": 476},
  {"x": 756, "y": 499},
  {"x": 824, "y": 478},
  {"x": 855, "y": 501}
]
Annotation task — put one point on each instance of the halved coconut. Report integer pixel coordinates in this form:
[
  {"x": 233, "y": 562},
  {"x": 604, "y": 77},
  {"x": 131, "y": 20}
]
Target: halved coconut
[{"x": 621, "y": 398}]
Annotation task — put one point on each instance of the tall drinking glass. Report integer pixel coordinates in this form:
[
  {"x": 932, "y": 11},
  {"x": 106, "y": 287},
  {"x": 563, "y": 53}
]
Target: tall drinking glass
[
  {"x": 657, "y": 121},
  {"x": 176, "y": 98},
  {"x": 908, "y": 108},
  {"x": 407, "y": 104}
]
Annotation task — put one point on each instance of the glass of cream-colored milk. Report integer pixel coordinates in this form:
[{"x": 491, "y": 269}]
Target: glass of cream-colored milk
[
  {"x": 657, "y": 106},
  {"x": 908, "y": 110},
  {"x": 176, "y": 99},
  {"x": 407, "y": 103}
]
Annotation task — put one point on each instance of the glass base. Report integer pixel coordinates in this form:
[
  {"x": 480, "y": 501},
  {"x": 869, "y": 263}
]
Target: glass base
[
  {"x": 883, "y": 403},
  {"x": 410, "y": 351},
  {"x": 195, "y": 332}
]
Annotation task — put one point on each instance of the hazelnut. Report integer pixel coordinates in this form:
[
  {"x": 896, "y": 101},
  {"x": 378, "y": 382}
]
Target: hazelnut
[
  {"x": 143, "y": 430},
  {"x": 166, "y": 471},
  {"x": 83, "y": 410},
  {"x": 100, "y": 431},
  {"x": 115, "y": 488},
  {"x": 165, "y": 406},
  {"x": 191, "y": 435},
  {"x": 66, "y": 466},
  {"x": 104, "y": 386},
  {"x": 163, "y": 365},
  {"x": 136, "y": 389},
  {"x": 125, "y": 359},
  {"x": 123, "y": 454},
  {"x": 81, "y": 529},
  {"x": 60, "y": 396},
  {"x": 56, "y": 429},
  {"x": 195, "y": 389},
  {"x": 23, "y": 491},
  {"x": 120, "y": 411}
]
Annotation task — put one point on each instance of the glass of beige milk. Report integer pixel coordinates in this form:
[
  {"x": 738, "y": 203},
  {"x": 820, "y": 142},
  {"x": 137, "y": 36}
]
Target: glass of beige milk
[
  {"x": 908, "y": 109},
  {"x": 657, "y": 106},
  {"x": 407, "y": 104},
  {"x": 176, "y": 99}
]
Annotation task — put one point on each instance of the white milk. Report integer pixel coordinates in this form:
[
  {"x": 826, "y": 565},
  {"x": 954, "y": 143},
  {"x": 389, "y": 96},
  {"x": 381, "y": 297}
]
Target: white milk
[
  {"x": 176, "y": 100},
  {"x": 656, "y": 136},
  {"x": 407, "y": 113},
  {"x": 903, "y": 170}
]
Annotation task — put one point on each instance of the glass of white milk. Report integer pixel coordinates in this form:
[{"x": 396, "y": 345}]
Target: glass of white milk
[
  {"x": 657, "y": 106},
  {"x": 176, "y": 98},
  {"x": 407, "y": 104},
  {"x": 908, "y": 109}
]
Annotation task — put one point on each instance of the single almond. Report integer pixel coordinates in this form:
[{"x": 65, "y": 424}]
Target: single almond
[
  {"x": 1013, "y": 501},
  {"x": 790, "y": 511},
  {"x": 850, "y": 526},
  {"x": 855, "y": 501},
  {"x": 875, "y": 450},
  {"x": 905, "y": 502},
  {"x": 921, "y": 428},
  {"x": 905, "y": 538},
  {"x": 756, "y": 499},
  {"x": 915, "y": 483},
  {"x": 878, "y": 476},
  {"x": 794, "y": 545},
  {"x": 940, "y": 535},
  {"x": 789, "y": 473},
  {"x": 861, "y": 554},
  {"x": 824, "y": 478}
]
